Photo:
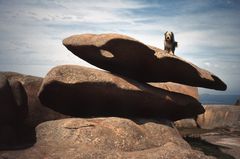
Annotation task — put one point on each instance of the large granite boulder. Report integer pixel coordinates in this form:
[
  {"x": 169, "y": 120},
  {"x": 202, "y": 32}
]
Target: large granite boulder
[
  {"x": 13, "y": 101},
  {"x": 219, "y": 116},
  {"x": 106, "y": 138},
  {"x": 37, "y": 113},
  {"x": 237, "y": 103},
  {"x": 21, "y": 110},
  {"x": 84, "y": 92},
  {"x": 13, "y": 110},
  {"x": 8, "y": 106},
  {"x": 128, "y": 57}
]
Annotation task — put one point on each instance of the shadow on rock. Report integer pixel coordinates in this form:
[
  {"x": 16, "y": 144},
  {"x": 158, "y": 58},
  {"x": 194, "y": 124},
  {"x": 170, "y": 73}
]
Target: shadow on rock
[
  {"x": 83, "y": 92},
  {"x": 208, "y": 148},
  {"x": 17, "y": 137}
]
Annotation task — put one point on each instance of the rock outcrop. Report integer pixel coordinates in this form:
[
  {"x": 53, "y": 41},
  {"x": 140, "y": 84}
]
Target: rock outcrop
[
  {"x": 13, "y": 99},
  {"x": 13, "y": 109},
  {"x": 128, "y": 57},
  {"x": 127, "y": 90},
  {"x": 37, "y": 113},
  {"x": 107, "y": 138},
  {"x": 219, "y": 116},
  {"x": 237, "y": 102},
  {"x": 85, "y": 92}
]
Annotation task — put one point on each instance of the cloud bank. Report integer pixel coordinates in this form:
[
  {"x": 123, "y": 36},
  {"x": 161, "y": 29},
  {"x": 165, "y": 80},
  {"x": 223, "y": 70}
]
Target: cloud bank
[{"x": 207, "y": 31}]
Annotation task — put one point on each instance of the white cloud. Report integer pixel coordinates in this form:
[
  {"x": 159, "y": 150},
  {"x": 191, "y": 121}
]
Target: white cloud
[
  {"x": 32, "y": 30},
  {"x": 207, "y": 64}
]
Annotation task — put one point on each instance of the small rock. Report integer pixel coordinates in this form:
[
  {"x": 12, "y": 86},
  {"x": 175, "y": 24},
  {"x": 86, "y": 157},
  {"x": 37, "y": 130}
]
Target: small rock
[
  {"x": 186, "y": 123},
  {"x": 237, "y": 102}
]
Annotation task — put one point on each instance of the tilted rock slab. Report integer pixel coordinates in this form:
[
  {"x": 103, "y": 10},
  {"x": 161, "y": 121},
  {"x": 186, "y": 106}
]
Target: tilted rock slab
[
  {"x": 114, "y": 138},
  {"x": 84, "y": 92},
  {"x": 126, "y": 56},
  {"x": 178, "y": 88}
]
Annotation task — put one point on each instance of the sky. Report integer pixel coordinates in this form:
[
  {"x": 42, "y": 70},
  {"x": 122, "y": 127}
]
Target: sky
[{"x": 31, "y": 32}]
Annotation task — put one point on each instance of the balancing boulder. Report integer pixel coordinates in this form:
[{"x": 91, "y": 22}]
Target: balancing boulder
[
  {"x": 128, "y": 57},
  {"x": 86, "y": 92}
]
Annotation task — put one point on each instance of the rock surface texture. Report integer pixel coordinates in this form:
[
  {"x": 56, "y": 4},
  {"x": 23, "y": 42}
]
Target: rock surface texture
[
  {"x": 107, "y": 138},
  {"x": 21, "y": 110},
  {"x": 37, "y": 113},
  {"x": 86, "y": 92},
  {"x": 13, "y": 109},
  {"x": 136, "y": 101},
  {"x": 185, "y": 123},
  {"x": 128, "y": 57},
  {"x": 178, "y": 88},
  {"x": 237, "y": 102},
  {"x": 14, "y": 101},
  {"x": 219, "y": 116}
]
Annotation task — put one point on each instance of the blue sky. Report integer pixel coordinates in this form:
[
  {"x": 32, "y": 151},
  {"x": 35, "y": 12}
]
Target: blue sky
[{"x": 207, "y": 31}]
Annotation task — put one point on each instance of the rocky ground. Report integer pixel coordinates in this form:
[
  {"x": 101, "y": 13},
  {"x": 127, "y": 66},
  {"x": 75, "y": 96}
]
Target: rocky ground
[
  {"x": 107, "y": 138},
  {"x": 221, "y": 143},
  {"x": 216, "y": 132}
]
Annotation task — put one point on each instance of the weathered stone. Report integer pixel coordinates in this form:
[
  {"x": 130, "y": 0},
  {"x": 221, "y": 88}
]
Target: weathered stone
[
  {"x": 8, "y": 113},
  {"x": 21, "y": 99},
  {"x": 178, "y": 88},
  {"x": 13, "y": 110},
  {"x": 84, "y": 92},
  {"x": 128, "y": 57},
  {"x": 186, "y": 123},
  {"x": 107, "y": 138},
  {"x": 219, "y": 116},
  {"x": 37, "y": 113}
]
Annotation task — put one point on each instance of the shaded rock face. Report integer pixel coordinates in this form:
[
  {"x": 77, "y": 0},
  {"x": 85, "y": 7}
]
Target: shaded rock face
[
  {"x": 8, "y": 106},
  {"x": 85, "y": 92},
  {"x": 37, "y": 113},
  {"x": 219, "y": 116},
  {"x": 178, "y": 88},
  {"x": 126, "y": 56},
  {"x": 13, "y": 99},
  {"x": 107, "y": 138},
  {"x": 21, "y": 110},
  {"x": 21, "y": 99},
  {"x": 13, "y": 109}
]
